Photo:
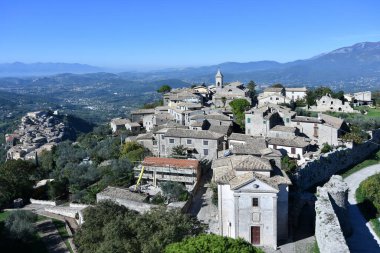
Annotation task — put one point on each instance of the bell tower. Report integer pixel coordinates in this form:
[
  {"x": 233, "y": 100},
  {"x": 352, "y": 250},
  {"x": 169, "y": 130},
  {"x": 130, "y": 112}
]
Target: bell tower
[{"x": 219, "y": 80}]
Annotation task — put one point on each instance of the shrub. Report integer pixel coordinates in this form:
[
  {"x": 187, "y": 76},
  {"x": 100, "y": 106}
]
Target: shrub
[
  {"x": 212, "y": 243},
  {"x": 174, "y": 191},
  {"x": 20, "y": 225},
  {"x": 326, "y": 148}
]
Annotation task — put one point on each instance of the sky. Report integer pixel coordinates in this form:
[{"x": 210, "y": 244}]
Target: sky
[{"x": 143, "y": 34}]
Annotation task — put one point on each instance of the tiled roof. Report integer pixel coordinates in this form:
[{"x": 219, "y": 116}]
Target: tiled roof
[
  {"x": 197, "y": 134},
  {"x": 143, "y": 111},
  {"x": 120, "y": 193},
  {"x": 306, "y": 119},
  {"x": 120, "y": 121},
  {"x": 297, "y": 142},
  {"x": 215, "y": 116},
  {"x": 220, "y": 129},
  {"x": 250, "y": 163},
  {"x": 170, "y": 162},
  {"x": 281, "y": 128},
  {"x": 299, "y": 89},
  {"x": 272, "y": 89},
  {"x": 332, "y": 121}
]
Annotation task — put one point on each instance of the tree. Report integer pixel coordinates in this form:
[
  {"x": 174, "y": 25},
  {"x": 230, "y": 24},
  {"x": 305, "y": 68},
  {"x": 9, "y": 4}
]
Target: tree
[
  {"x": 164, "y": 89},
  {"x": 277, "y": 85},
  {"x": 130, "y": 146},
  {"x": 288, "y": 165},
  {"x": 205, "y": 243},
  {"x": 238, "y": 109},
  {"x": 251, "y": 86},
  {"x": 20, "y": 225},
  {"x": 356, "y": 135},
  {"x": 326, "y": 148},
  {"x": 16, "y": 180},
  {"x": 174, "y": 191},
  {"x": 179, "y": 151},
  {"x": 129, "y": 231},
  {"x": 224, "y": 100}
]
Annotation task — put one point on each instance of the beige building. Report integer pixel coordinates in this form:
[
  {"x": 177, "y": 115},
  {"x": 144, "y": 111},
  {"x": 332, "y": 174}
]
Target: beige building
[{"x": 252, "y": 200}]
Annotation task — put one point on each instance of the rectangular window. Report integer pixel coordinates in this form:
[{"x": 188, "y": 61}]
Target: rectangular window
[
  {"x": 171, "y": 140},
  {"x": 264, "y": 122},
  {"x": 188, "y": 141},
  {"x": 248, "y": 120},
  {"x": 162, "y": 137},
  {"x": 287, "y": 120},
  {"x": 274, "y": 146},
  {"x": 205, "y": 152},
  {"x": 154, "y": 143},
  {"x": 293, "y": 151},
  {"x": 255, "y": 202},
  {"x": 205, "y": 143}
]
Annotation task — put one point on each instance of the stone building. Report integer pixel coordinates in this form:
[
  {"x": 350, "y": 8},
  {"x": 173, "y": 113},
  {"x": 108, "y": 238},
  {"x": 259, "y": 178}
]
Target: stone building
[
  {"x": 200, "y": 144},
  {"x": 224, "y": 94},
  {"x": 327, "y": 103},
  {"x": 159, "y": 169},
  {"x": 118, "y": 124},
  {"x": 252, "y": 199},
  {"x": 294, "y": 148},
  {"x": 138, "y": 115}
]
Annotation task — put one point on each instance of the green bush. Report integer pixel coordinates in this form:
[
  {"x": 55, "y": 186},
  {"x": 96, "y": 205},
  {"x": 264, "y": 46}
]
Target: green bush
[
  {"x": 326, "y": 148},
  {"x": 20, "y": 226},
  {"x": 174, "y": 191},
  {"x": 211, "y": 243}
]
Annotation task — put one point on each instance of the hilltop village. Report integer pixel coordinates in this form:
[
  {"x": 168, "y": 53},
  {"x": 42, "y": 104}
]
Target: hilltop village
[{"x": 244, "y": 160}]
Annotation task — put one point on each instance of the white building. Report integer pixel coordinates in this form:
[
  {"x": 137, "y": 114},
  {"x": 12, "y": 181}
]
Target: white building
[
  {"x": 327, "y": 103},
  {"x": 252, "y": 199}
]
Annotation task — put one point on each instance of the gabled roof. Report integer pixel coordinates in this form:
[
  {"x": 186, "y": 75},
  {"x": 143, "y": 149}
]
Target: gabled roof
[
  {"x": 297, "y": 142},
  {"x": 285, "y": 129},
  {"x": 250, "y": 163},
  {"x": 331, "y": 121},
  {"x": 220, "y": 129},
  {"x": 197, "y": 134},
  {"x": 246, "y": 178}
]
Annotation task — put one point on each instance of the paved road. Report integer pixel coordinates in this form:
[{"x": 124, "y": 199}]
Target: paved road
[
  {"x": 363, "y": 238},
  {"x": 51, "y": 237}
]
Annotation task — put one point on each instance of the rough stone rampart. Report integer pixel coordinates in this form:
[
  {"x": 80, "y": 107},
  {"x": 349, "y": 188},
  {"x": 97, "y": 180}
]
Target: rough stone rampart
[
  {"x": 321, "y": 169},
  {"x": 328, "y": 230}
]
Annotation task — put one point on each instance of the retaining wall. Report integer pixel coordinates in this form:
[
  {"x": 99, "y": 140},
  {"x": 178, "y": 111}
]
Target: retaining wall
[
  {"x": 321, "y": 169},
  {"x": 43, "y": 202}
]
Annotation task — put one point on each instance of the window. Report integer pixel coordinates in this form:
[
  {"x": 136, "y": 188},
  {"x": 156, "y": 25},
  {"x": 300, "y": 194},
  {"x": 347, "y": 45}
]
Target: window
[
  {"x": 205, "y": 152},
  {"x": 205, "y": 143},
  {"x": 171, "y": 140},
  {"x": 154, "y": 143},
  {"x": 274, "y": 146},
  {"x": 264, "y": 122},
  {"x": 293, "y": 150},
  {"x": 277, "y": 98},
  {"x": 255, "y": 202},
  {"x": 287, "y": 120},
  {"x": 162, "y": 137},
  {"x": 188, "y": 141},
  {"x": 248, "y": 120}
]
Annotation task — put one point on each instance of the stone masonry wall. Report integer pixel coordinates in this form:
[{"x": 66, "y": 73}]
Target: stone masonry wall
[
  {"x": 320, "y": 170},
  {"x": 328, "y": 231}
]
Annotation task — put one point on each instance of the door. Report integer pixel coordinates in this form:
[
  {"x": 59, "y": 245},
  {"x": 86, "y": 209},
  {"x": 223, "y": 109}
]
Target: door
[{"x": 255, "y": 235}]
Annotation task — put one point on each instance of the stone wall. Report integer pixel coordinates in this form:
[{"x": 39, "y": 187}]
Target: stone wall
[
  {"x": 320, "y": 170},
  {"x": 43, "y": 202},
  {"x": 331, "y": 211}
]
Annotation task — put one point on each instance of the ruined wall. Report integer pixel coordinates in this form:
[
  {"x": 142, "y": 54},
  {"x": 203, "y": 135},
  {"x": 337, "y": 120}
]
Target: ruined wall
[
  {"x": 328, "y": 231},
  {"x": 320, "y": 170}
]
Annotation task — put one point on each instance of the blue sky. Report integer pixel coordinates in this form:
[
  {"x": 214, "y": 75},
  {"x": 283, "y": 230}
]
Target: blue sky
[{"x": 161, "y": 33}]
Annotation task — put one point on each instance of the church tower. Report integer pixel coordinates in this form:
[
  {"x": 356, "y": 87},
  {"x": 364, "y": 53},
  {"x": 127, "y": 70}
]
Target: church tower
[{"x": 219, "y": 80}]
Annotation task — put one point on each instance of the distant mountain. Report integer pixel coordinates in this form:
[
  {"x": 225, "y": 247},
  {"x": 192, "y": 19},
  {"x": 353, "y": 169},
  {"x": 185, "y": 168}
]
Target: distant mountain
[
  {"x": 356, "y": 67},
  {"x": 353, "y": 66},
  {"x": 36, "y": 69}
]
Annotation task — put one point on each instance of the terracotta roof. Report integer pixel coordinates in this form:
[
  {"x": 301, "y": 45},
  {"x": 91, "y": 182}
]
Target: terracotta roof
[{"x": 170, "y": 162}]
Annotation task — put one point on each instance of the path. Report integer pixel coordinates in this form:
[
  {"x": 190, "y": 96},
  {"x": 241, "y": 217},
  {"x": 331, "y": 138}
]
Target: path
[
  {"x": 203, "y": 208},
  {"x": 363, "y": 238},
  {"x": 50, "y": 236}
]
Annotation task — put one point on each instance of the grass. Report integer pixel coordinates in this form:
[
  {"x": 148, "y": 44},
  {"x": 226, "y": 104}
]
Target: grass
[
  {"x": 61, "y": 227},
  {"x": 368, "y": 209},
  {"x": 371, "y": 160}
]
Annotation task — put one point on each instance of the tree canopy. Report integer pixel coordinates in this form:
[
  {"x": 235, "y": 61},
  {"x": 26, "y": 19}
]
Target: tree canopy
[
  {"x": 205, "y": 243},
  {"x": 164, "y": 89},
  {"x": 16, "y": 180},
  {"x": 238, "y": 109},
  {"x": 129, "y": 231}
]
